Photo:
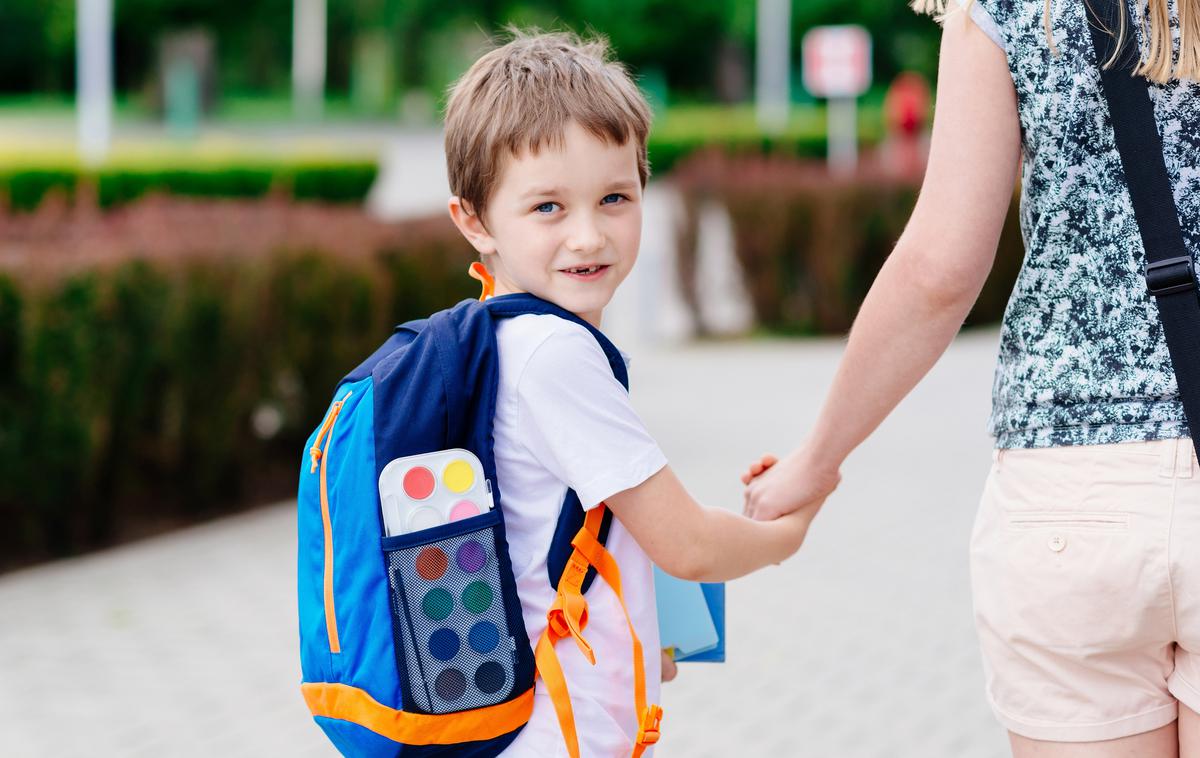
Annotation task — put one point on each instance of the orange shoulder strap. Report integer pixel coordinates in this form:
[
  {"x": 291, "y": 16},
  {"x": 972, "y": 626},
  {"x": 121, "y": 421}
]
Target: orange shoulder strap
[{"x": 568, "y": 618}]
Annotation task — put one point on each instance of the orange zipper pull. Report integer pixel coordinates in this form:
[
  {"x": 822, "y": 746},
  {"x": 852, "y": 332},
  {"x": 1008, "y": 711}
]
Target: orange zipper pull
[
  {"x": 316, "y": 452},
  {"x": 479, "y": 273}
]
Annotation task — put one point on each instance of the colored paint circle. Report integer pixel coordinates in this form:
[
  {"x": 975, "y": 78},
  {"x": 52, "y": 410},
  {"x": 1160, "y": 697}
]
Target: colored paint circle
[
  {"x": 458, "y": 476},
  {"x": 444, "y": 644},
  {"x": 432, "y": 563},
  {"x": 477, "y": 597},
  {"x": 463, "y": 509},
  {"x": 470, "y": 556},
  {"x": 424, "y": 518},
  {"x": 450, "y": 685},
  {"x": 483, "y": 637},
  {"x": 490, "y": 677},
  {"x": 418, "y": 483},
  {"x": 438, "y": 604}
]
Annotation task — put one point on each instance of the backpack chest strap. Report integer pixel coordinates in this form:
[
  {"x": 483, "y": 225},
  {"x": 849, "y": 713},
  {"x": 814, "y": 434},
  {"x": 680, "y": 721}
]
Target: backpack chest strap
[{"x": 568, "y": 618}]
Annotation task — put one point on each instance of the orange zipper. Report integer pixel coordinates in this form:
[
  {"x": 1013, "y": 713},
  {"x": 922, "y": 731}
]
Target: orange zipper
[{"x": 319, "y": 457}]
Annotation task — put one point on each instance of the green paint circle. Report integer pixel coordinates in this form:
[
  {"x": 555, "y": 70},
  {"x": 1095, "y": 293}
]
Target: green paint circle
[
  {"x": 438, "y": 604},
  {"x": 477, "y": 597}
]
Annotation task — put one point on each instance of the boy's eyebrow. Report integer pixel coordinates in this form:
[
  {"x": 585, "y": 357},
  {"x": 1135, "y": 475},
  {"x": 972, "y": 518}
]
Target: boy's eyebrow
[
  {"x": 539, "y": 191},
  {"x": 620, "y": 184}
]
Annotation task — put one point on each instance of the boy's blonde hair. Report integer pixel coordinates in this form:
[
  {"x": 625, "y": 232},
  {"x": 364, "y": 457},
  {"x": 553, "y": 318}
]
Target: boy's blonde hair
[
  {"x": 1160, "y": 64},
  {"x": 522, "y": 96}
]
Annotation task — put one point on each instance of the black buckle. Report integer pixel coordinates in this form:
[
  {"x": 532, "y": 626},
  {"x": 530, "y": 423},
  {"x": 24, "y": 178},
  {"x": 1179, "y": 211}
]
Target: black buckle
[{"x": 1170, "y": 276}]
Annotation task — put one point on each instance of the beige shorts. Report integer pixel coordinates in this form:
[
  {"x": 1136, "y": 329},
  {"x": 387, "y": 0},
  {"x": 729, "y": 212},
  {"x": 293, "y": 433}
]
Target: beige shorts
[{"x": 1085, "y": 566}]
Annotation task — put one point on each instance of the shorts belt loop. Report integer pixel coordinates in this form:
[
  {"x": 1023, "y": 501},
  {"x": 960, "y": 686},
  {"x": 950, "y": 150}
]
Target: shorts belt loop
[
  {"x": 1166, "y": 459},
  {"x": 1185, "y": 458}
]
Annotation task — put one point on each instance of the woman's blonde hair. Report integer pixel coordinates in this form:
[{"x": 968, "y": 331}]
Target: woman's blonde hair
[{"x": 1160, "y": 63}]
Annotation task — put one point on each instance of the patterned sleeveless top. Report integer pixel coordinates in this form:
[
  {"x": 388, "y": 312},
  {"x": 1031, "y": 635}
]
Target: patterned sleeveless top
[{"x": 1082, "y": 356}]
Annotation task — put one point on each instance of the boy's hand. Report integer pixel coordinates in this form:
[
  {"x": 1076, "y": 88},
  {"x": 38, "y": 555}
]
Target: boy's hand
[
  {"x": 797, "y": 482},
  {"x": 669, "y": 668},
  {"x": 756, "y": 468}
]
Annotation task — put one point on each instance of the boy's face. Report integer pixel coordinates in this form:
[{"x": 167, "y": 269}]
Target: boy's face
[{"x": 563, "y": 224}]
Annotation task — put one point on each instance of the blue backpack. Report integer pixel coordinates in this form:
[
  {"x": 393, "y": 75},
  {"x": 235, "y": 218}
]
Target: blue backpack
[{"x": 401, "y": 654}]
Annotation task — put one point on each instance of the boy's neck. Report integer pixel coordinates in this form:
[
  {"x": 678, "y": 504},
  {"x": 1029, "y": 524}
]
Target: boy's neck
[{"x": 503, "y": 288}]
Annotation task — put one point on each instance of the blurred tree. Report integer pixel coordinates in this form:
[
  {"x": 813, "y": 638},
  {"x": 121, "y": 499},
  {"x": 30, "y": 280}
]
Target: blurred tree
[
  {"x": 699, "y": 46},
  {"x": 37, "y": 45}
]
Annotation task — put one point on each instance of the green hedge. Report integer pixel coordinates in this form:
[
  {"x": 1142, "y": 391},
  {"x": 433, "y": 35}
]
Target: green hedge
[
  {"x": 23, "y": 189},
  {"x": 685, "y": 130},
  {"x": 666, "y": 152},
  {"x": 142, "y": 396},
  {"x": 811, "y": 244}
]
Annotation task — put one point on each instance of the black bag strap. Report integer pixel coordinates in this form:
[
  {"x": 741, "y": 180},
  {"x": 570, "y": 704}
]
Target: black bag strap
[{"x": 1170, "y": 276}]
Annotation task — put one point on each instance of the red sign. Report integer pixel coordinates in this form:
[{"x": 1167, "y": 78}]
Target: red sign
[{"x": 837, "y": 61}]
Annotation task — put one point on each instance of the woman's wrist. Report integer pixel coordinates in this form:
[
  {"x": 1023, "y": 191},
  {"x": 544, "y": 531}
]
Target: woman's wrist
[{"x": 822, "y": 458}]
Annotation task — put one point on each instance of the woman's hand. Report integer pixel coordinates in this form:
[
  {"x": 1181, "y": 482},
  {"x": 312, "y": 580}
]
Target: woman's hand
[{"x": 776, "y": 488}]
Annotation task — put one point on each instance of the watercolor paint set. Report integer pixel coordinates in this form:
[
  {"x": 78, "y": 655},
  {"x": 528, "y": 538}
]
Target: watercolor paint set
[{"x": 421, "y": 492}]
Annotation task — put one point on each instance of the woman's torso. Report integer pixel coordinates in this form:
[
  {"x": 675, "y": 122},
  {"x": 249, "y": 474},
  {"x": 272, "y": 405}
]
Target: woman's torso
[{"x": 1082, "y": 357}]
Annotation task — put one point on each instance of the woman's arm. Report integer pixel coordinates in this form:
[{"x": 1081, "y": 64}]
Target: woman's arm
[
  {"x": 932, "y": 278},
  {"x": 699, "y": 544}
]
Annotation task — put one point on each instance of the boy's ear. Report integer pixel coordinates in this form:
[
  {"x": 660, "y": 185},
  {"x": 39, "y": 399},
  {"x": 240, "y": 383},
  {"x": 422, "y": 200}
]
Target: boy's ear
[{"x": 471, "y": 226}]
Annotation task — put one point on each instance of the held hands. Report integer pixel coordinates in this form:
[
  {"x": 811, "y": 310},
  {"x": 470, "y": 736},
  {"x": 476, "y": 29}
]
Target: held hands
[{"x": 776, "y": 488}]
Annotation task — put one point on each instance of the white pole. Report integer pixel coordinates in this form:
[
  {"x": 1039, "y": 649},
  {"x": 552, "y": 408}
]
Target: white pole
[
  {"x": 93, "y": 78},
  {"x": 773, "y": 64},
  {"x": 308, "y": 57},
  {"x": 842, "y": 115}
]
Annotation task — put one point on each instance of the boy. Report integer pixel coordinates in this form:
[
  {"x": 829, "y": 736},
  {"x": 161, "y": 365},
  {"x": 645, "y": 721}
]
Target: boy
[{"x": 546, "y": 153}]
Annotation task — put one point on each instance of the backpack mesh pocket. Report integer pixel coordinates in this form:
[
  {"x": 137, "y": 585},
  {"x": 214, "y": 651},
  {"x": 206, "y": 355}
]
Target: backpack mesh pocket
[{"x": 452, "y": 638}]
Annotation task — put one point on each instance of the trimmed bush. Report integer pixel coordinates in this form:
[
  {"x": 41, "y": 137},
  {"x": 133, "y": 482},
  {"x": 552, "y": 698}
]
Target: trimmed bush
[
  {"x": 734, "y": 131},
  {"x": 146, "y": 394},
  {"x": 810, "y": 244},
  {"x": 329, "y": 182},
  {"x": 24, "y": 190},
  {"x": 344, "y": 183},
  {"x": 119, "y": 186}
]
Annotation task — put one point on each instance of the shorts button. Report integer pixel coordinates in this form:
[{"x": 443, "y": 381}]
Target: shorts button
[{"x": 1057, "y": 543}]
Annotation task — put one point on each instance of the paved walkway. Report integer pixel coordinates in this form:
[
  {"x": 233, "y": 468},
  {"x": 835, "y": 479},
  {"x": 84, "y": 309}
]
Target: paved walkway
[{"x": 861, "y": 646}]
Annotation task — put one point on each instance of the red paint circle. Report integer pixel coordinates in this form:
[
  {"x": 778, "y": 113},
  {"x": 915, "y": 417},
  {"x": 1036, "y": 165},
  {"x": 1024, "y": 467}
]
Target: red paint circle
[
  {"x": 418, "y": 483},
  {"x": 432, "y": 563}
]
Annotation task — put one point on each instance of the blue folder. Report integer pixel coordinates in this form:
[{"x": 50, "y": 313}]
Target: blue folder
[{"x": 691, "y": 618}]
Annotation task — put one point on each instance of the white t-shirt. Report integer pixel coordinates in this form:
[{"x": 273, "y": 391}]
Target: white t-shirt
[{"x": 563, "y": 420}]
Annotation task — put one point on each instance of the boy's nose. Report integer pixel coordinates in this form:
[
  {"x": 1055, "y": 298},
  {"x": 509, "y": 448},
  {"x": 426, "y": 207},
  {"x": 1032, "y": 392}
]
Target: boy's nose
[{"x": 586, "y": 237}]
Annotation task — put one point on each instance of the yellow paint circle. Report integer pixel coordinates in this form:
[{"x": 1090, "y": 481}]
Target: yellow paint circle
[{"x": 458, "y": 476}]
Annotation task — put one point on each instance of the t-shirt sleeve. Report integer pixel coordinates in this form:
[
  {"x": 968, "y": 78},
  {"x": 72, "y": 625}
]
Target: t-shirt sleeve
[
  {"x": 984, "y": 21},
  {"x": 575, "y": 418}
]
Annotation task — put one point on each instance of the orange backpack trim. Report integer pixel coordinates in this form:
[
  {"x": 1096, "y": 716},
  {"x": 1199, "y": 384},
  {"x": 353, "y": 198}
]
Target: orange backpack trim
[{"x": 346, "y": 703}]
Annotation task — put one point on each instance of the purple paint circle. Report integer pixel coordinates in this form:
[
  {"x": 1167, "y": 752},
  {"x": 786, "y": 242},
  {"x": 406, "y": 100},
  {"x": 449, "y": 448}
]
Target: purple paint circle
[{"x": 471, "y": 556}]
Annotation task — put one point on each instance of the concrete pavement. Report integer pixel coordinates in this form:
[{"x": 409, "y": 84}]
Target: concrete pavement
[{"x": 861, "y": 646}]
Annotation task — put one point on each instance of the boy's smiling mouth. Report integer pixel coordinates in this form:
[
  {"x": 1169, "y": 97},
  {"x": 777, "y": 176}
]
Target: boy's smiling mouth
[{"x": 585, "y": 273}]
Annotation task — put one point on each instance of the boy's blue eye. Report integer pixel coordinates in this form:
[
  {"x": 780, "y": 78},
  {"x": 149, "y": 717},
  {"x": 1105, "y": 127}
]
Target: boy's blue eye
[
  {"x": 613, "y": 198},
  {"x": 546, "y": 207}
]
